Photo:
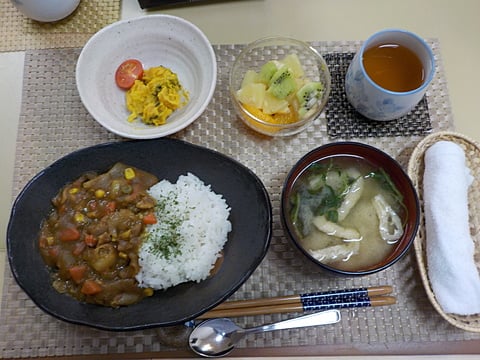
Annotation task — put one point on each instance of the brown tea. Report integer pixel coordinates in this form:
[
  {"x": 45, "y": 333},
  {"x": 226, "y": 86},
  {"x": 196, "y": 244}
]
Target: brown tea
[{"x": 394, "y": 67}]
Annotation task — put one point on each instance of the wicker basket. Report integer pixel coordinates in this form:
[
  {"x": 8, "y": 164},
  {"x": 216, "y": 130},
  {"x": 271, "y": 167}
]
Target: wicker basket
[{"x": 416, "y": 168}]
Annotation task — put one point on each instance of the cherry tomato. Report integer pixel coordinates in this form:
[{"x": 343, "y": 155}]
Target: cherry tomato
[{"x": 128, "y": 71}]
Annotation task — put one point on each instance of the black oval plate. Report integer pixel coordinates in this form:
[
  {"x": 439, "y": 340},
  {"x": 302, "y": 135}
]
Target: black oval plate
[{"x": 251, "y": 218}]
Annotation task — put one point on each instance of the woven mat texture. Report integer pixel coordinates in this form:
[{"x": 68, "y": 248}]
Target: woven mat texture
[
  {"x": 54, "y": 123},
  {"x": 20, "y": 33}
]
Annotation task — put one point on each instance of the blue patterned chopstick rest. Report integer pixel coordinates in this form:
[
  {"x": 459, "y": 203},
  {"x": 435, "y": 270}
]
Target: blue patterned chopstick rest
[{"x": 337, "y": 299}]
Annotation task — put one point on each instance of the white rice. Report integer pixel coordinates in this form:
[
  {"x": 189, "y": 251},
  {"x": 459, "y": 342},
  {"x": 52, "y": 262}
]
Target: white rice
[{"x": 195, "y": 221}]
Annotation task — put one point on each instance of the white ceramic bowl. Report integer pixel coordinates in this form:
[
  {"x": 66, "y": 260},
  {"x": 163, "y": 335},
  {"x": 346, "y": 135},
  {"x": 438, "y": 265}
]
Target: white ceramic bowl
[
  {"x": 46, "y": 10},
  {"x": 154, "y": 40}
]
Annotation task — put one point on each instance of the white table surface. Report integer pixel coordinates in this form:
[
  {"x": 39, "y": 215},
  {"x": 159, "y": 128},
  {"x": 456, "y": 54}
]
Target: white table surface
[{"x": 455, "y": 24}]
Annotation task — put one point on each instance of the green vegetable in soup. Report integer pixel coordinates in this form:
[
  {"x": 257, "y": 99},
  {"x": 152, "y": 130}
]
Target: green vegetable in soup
[{"x": 385, "y": 181}]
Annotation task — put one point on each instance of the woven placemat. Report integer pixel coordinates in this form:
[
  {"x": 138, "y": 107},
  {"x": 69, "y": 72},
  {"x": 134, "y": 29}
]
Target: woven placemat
[
  {"x": 53, "y": 122},
  {"x": 344, "y": 121},
  {"x": 20, "y": 33}
]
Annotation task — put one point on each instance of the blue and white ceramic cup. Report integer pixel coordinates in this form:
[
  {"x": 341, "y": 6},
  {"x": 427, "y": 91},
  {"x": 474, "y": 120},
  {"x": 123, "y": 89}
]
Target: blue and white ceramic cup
[{"x": 375, "y": 102}]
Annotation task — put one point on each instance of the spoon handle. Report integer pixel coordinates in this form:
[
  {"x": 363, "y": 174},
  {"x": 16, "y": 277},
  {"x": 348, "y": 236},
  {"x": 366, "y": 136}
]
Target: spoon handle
[{"x": 318, "y": 318}]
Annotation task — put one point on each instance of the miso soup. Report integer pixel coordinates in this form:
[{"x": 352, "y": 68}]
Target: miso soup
[{"x": 347, "y": 213}]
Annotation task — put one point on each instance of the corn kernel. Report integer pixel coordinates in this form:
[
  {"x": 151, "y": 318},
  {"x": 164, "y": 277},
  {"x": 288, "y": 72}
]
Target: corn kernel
[
  {"x": 122, "y": 255},
  {"x": 79, "y": 218},
  {"x": 100, "y": 193},
  {"x": 73, "y": 191},
  {"x": 50, "y": 240},
  {"x": 148, "y": 291},
  {"x": 129, "y": 173}
]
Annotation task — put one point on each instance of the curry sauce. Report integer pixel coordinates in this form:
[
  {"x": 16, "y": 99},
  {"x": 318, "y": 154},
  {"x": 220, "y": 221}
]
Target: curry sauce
[{"x": 92, "y": 236}]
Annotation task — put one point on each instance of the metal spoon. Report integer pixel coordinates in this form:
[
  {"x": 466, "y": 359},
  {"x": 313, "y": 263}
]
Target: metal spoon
[{"x": 217, "y": 337}]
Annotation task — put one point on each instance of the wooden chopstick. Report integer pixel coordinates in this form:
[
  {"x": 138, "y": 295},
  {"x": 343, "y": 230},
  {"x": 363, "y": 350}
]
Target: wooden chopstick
[
  {"x": 327, "y": 296},
  {"x": 297, "y": 307}
]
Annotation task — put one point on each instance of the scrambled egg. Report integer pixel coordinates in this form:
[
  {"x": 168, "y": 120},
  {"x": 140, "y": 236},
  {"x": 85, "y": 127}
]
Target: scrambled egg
[{"x": 156, "y": 96}]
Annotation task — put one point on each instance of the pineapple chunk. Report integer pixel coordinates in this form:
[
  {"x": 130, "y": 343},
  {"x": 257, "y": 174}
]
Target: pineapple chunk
[
  {"x": 257, "y": 89},
  {"x": 293, "y": 62},
  {"x": 273, "y": 105},
  {"x": 250, "y": 77},
  {"x": 252, "y": 94}
]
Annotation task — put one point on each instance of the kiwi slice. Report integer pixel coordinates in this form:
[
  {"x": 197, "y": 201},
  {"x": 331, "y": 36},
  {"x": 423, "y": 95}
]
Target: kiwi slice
[
  {"x": 267, "y": 71},
  {"x": 282, "y": 83},
  {"x": 308, "y": 96}
]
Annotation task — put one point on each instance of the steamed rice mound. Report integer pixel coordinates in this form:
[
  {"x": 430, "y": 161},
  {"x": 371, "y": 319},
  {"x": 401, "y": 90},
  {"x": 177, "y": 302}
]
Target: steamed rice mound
[{"x": 191, "y": 230}]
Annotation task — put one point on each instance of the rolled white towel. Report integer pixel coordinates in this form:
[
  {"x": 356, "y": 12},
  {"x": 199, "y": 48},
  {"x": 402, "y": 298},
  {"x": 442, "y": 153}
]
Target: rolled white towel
[{"x": 453, "y": 275}]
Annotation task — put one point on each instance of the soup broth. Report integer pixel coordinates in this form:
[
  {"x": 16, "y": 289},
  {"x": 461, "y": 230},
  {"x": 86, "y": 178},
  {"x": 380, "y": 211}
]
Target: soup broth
[
  {"x": 347, "y": 213},
  {"x": 394, "y": 67}
]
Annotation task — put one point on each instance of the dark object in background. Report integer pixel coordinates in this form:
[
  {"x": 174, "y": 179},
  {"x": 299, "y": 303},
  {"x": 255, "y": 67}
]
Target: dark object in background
[{"x": 144, "y": 4}]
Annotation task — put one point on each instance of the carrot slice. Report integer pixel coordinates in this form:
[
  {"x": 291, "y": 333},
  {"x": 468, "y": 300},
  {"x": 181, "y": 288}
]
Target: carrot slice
[
  {"x": 69, "y": 234},
  {"x": 91, "y": 287},
  {"x": 90, "y": 240},
  {"x": 77, "y": 272},
  {"x": 149, "y": 219}
]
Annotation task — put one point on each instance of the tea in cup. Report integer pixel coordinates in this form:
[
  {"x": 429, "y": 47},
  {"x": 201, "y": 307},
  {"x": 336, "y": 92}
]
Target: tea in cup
[{"x": 390, "y": 74}]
